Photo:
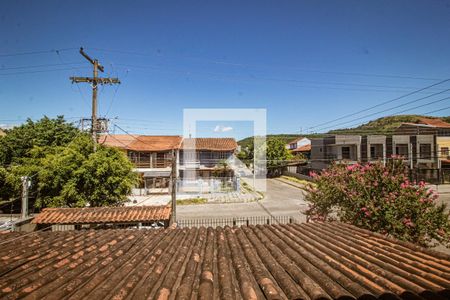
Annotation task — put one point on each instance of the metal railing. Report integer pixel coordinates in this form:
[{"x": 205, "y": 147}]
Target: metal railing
[{"x": 237, "y": 221}]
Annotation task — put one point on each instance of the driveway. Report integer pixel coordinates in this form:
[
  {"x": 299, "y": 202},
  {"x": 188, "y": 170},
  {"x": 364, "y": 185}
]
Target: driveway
[{"x": 280, "y": 200}]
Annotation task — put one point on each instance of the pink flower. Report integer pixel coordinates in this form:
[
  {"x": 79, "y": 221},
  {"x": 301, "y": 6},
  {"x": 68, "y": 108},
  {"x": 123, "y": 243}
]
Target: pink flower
[{"x": 408, "y": 222}]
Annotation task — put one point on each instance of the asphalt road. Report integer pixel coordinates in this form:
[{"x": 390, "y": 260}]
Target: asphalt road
[{"x": 280, "y": 200}]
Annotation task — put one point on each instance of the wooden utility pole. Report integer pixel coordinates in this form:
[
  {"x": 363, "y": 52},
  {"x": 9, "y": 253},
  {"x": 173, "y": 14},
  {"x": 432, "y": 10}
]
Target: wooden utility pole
[
  {"x": 173, "y": 186},
  {"x": 94, "y": 81},
  {"x": 25, "y": 186}
]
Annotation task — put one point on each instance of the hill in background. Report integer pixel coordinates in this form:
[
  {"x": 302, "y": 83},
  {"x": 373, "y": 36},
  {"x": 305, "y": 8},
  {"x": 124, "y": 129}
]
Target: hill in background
[{"x": 384, "y": 125}]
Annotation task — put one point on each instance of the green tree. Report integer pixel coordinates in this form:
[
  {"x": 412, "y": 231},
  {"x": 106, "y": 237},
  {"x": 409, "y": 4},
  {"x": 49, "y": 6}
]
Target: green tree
[
  {"x": 75, "y": 176},
  {"x": 277, "y": 155},
  {"x": 222, "y": 169},
  {"x": 43, "y": 133}
]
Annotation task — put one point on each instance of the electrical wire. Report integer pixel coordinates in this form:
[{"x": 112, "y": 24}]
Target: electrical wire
[
  {"x": 219, "y": 62},
  {"x": 36, "y": 52},
  {"x": 388, "y": 109},
  {"x": 383, "y": 103}
]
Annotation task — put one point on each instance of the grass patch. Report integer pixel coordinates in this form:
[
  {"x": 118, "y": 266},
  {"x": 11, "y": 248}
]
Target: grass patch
[
  {"x": 191, "y": 201},
  {"x": 303, "y": 182},
  {"x": 293, "y": 179}
]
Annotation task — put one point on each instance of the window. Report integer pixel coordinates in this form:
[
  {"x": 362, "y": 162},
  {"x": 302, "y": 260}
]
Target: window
[
  {"x": 345, "y": 152},
  {"x": 444, "y": 152},
  {"x": 376, "y": 151},
  {"x": 402, "y": 150},
  {"x": 425, "y": 151}
]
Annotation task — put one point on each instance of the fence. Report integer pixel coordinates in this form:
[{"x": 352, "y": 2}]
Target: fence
[
  {"x": 210, "y": 185},
  {"x": 238, "y": 221}
]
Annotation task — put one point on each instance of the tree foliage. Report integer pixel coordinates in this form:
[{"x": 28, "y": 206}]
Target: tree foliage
[
  {"x": 64, "y": 169},
  {"x": 277, "y": 154},
  {"x": 46, "y": 132},
  {"x": 379, "y": 198},
  {"x": 75, "y": 176}
]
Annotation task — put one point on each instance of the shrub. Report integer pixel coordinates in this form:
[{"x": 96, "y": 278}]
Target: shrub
[{"x": 379, "y": 198}]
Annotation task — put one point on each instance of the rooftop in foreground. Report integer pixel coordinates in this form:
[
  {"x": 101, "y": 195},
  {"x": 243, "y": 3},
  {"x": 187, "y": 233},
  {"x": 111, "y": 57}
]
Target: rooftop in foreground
[
  {"x": 307, "y": 261},
  {"x": 98, "y": 215}
]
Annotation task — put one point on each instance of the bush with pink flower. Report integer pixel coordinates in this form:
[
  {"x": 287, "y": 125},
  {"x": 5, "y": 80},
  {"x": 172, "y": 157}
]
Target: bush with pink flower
[{"x": 379, "y": 198}]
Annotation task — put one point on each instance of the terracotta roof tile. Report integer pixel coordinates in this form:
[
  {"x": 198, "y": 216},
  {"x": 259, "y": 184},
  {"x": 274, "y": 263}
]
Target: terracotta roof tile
[
  {"x": 98, "y": 215},
  {"x": 116, "y": 140},
  {"x": 434, "y": 122},
  {"x": 156, "y": 143},
  {"x": 304, "y": 148},
  {"x": 307, "y": 261},
  {"x": 212, "y": 144},
  {"x": 142, "y": 142}
]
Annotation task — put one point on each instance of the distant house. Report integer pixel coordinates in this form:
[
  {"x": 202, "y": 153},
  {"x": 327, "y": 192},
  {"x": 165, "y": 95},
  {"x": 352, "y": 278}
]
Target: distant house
[
  {"x": 300, "y": 145},
  {"x": 423, "y": 145},
  {"x": 205, "y": 155},
  {"x": 2, "y": 133},
  {"x": 151, "y": 155}
]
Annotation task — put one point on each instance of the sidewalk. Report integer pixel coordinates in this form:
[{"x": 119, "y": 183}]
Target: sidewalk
[
  {"x": 232, "y": 197},
  {"x": 441, "y": 188}
]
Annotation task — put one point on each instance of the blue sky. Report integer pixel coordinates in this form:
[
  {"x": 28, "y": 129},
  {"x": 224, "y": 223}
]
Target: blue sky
[{"x": 306, "y": 62}]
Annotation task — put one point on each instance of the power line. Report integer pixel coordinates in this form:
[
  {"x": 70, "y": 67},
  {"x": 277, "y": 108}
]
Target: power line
[
  {"x": 219, "y": 62},
  {"x": 385, "y": 110},
  {"x": 40, "y": 66},
  {"x": 35, "y": 52},
  {"x": 383, "y": 103},
  {"x": 36, "y": 71},
  {"x": 413, "y": 108},
  {"x": 292, "y": 81}
]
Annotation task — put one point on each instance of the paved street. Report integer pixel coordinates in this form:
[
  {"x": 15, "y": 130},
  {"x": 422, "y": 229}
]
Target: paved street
[{"x": 280, "y": 200}]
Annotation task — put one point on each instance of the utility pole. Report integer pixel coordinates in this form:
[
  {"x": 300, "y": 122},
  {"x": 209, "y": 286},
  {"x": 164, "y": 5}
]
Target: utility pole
[
  {"x": 173, "y": 186},
  {"x": 94, "y": 81},
  {"x": 25, "y": 186}
]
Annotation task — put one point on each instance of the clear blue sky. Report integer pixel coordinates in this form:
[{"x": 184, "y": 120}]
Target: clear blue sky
[{"x": 297, "y": 59}]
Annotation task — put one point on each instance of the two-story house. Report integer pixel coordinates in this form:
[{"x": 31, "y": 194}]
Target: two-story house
[
  {"x": 423, "y": 145},
  {"x": 206, "y": 156},
  {"x": 152, "y": 157}
]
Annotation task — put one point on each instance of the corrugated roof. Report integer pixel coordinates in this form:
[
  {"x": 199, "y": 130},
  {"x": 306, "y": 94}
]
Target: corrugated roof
[
  {"x": 98, "y": 215},
  {"x": 307, "y": 261},
  {"x": 434, "y": 122},
  {"x": 212, "y": 144}
]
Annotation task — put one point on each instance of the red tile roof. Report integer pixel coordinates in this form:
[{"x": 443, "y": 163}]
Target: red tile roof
[
  {"x": 98, "y": 215},
  {"x": 150, "y": 143},
  {"x": 116, "y": 140},
  {"x": 434, "y": 122},
  {"x": 304, "y": 148},
  {"x": 307, "y": 261},
  {"x": 156, "y": 143},
  {"x": 212, "y": 144}
]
